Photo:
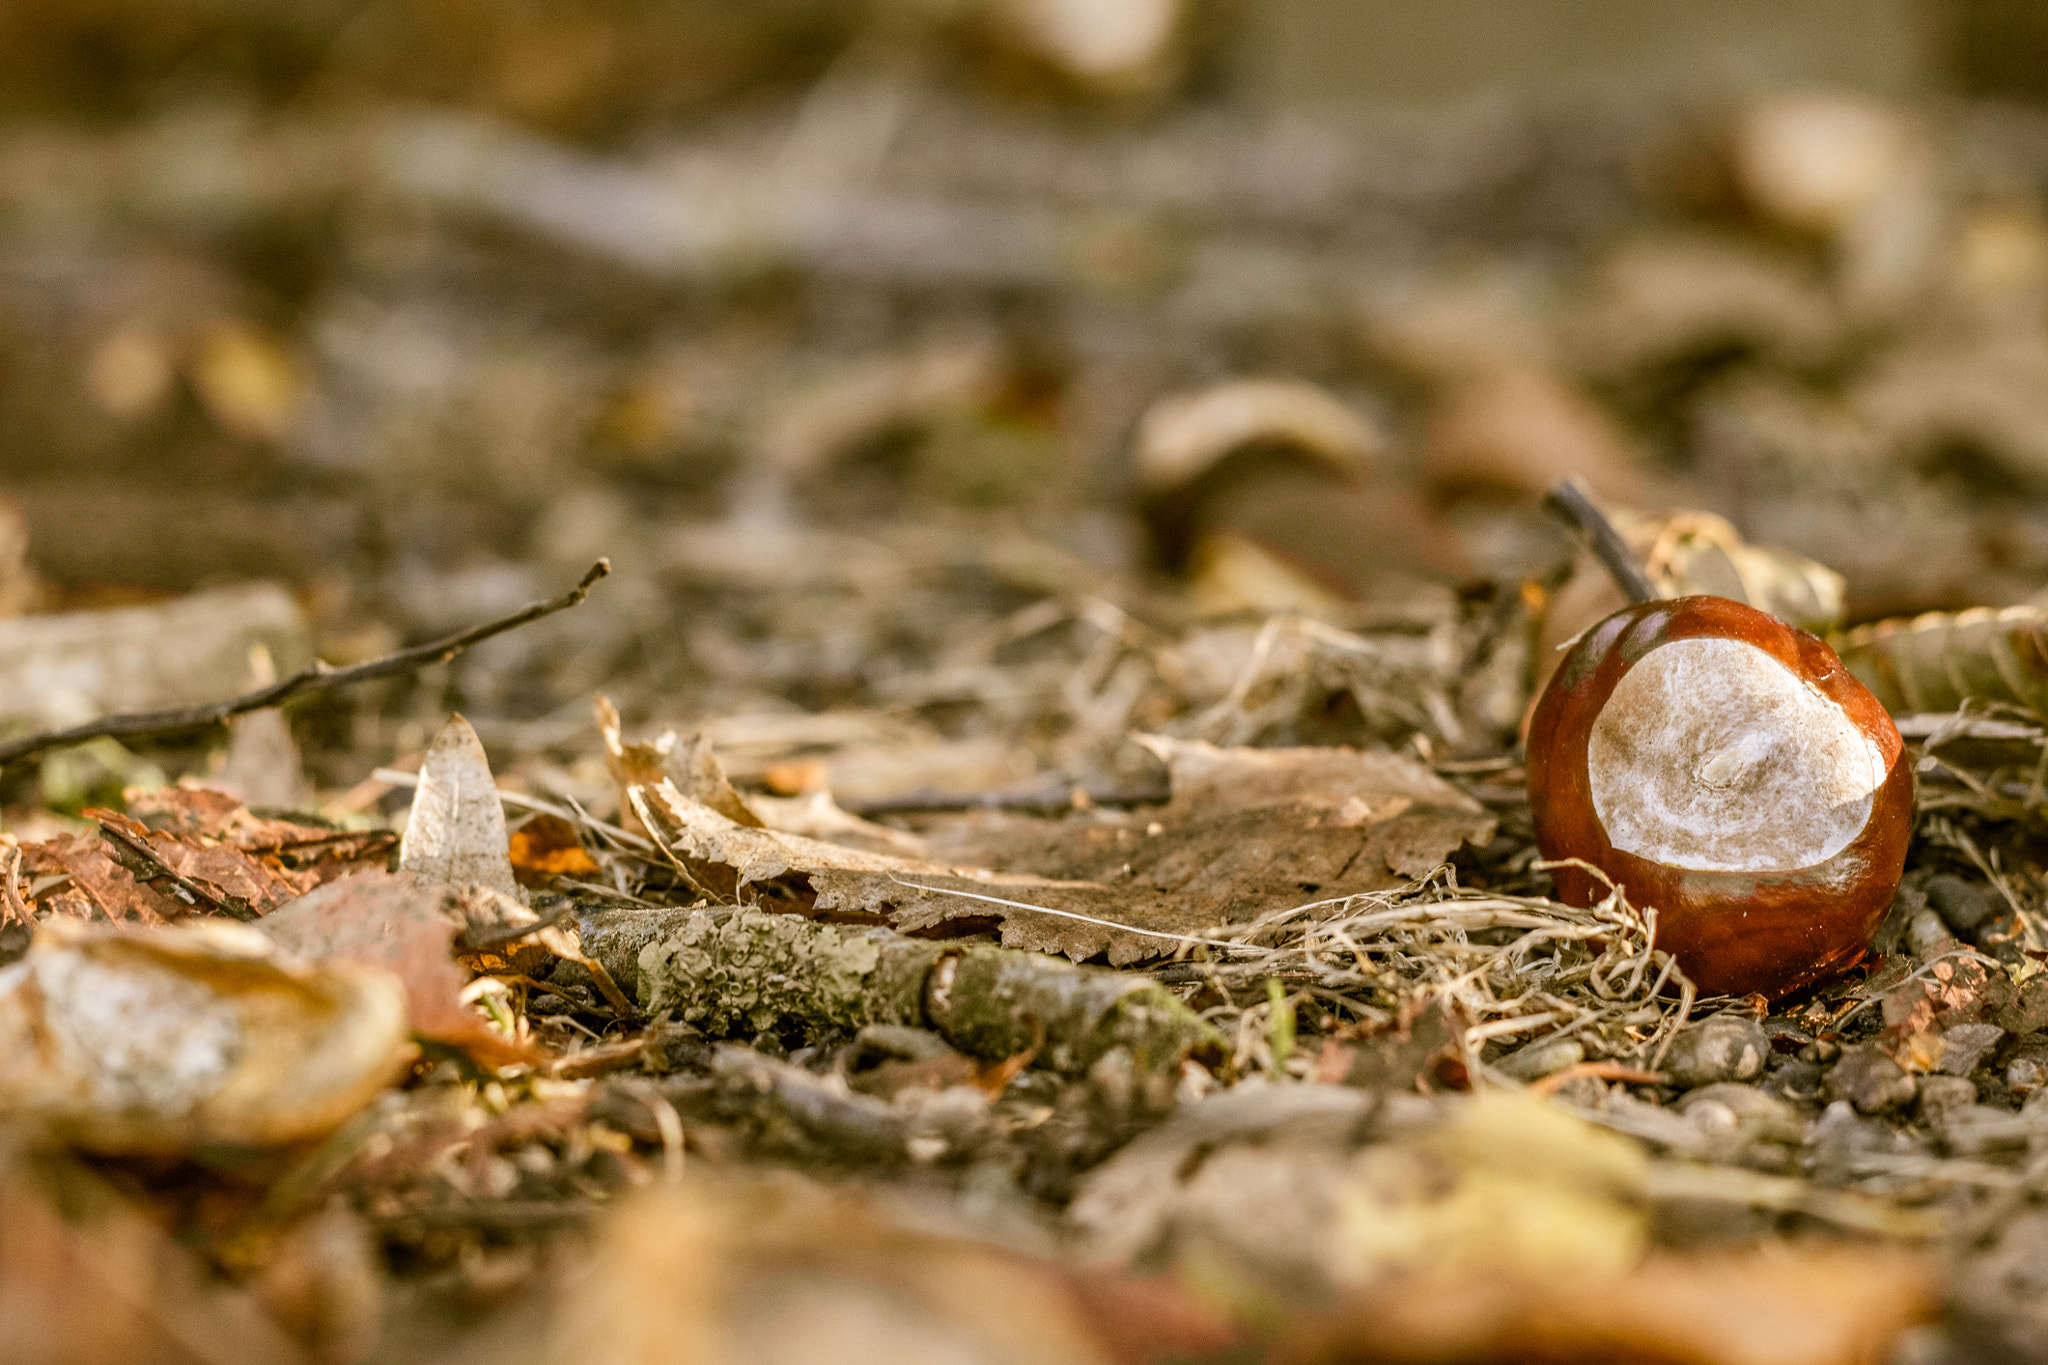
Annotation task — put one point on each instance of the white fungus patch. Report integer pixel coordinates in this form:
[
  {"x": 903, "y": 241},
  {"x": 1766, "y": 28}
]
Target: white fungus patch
[{"x": 1713, "y": 756}]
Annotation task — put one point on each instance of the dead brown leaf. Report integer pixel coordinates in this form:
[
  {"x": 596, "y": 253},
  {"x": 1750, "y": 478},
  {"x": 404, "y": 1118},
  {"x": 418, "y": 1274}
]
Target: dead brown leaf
[
  {"x": 1776, "y": 1306},
  {"x": 157, "y": 1039},
  {"x": 546, "y": 847},
  {"x": 1247, "y": 832},
  {"x": 408, "y": 926},
  {"x": 456, "y": 832}
]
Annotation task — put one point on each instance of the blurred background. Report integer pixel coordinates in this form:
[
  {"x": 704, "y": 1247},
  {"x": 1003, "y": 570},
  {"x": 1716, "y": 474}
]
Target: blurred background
[{"x": 850, "y": 329}]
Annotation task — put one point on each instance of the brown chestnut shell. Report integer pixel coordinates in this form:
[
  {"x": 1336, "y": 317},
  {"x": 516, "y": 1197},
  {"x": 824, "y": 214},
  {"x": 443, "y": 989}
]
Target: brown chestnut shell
[{"x": 1733, "y": 933}]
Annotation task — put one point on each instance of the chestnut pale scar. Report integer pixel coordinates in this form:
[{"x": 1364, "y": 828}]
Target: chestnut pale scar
[{"x": 1711, "y": 755}]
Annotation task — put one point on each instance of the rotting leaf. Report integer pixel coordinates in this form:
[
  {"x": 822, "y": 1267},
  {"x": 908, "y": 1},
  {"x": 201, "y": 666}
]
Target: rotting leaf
[
  {"x": 1938, "y": 661},
  {"x": 546, "y": 847},
  {"x": 690, "y": 764},
  {"x": 456, "y": 832},
  {"x": 159, "y": 1039},
  {"x": 754, "y": 1268},
  {"x": 1245, "y": 828},
  {"x": 407, "y": 925}
]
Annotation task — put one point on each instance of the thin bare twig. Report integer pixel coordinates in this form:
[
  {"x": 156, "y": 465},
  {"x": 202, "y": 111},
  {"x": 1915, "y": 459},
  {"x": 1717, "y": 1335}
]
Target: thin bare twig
[
  {"x": 317, "y": 676},
  {"x": 1569, "y": 500}
]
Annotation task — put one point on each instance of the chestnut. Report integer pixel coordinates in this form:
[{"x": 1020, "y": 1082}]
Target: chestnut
[{"x": 1725, "y": 768}]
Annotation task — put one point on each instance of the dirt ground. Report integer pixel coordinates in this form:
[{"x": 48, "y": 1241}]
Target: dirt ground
[{"x": 1024, "y": 853}]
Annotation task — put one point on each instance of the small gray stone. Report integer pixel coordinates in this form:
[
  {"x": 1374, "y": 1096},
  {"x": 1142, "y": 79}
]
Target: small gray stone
[
  {"x": 1538, "y": 1060},
  {"x": 2027, "y": 1072},
  {"x": 1964, "y": 1045},
  {"x": 1796, "y": 1080},
  {"x": 1962, "y": 905},
  {"x": 1942, "y": 1095},
  {"x": 1870, "y": 1080},
  {"x": 1928, "y": 936},
  {"x": 1978, "y": 1129},
  {"x": 1726, "y": 1047},
  {"x": 1759, "y": 1115}
]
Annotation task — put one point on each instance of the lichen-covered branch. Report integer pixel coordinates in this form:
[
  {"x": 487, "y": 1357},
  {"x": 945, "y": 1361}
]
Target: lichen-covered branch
[{"x": 731, "y": 971}]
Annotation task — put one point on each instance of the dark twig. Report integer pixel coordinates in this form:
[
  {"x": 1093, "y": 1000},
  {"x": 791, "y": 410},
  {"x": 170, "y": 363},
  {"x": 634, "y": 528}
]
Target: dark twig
[
  {"x": 315, "y": 677},
  {"x": 1568, "y": 499},
  {"x": 134, "y": 853},
  {"x": 482, "y": 940}
]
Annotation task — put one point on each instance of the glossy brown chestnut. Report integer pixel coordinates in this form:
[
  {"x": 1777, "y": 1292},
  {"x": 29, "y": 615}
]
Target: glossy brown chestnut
[{"x": 1726, "y": 769}]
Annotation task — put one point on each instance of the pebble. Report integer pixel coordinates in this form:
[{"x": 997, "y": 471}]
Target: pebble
[
  {"x": 2026, "y": 1072},
  {"x": 1942, "y": 1095},
  {"x": 1795, "y": 1080},
  {"x": 1535, "y": 1062},
  {"x": 1964, "y": 1045},
  {"x": 1928, "y": 936},
  {"x": 1962, "y": 905},
  {"x": 1759, "y": 1115},
  {"x": 1725, "y": 1047},
  {"x": 1870, "y": 1080}
]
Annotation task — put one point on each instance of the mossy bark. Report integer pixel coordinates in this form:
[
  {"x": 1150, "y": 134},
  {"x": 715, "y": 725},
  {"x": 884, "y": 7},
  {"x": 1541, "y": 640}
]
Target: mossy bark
[{"x": 731, "y": 972}]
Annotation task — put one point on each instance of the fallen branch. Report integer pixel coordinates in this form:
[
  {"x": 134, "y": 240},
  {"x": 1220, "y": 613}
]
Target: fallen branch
[
  {"x": 317, "y": 676},
  {"x": 736, "y": 972},
  {"x": 1568, "y": 500}
]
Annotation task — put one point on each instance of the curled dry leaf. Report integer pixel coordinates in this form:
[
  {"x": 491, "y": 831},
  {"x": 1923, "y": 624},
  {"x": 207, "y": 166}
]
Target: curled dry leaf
[
  {"x": 1246, "y": 829},
  {"x": 1940, "y": 660},
  {"x": 1518, "y": 430},
  {"x": 157, "y": 1040},
  {"x": 690, "y": 764},
  {"x": 1183, "y": 436},
  {"x": 456, "y": 832},
  {"x": 1689, "y": 554},
  {"x": 406, "y": 925},
  {"x": 716, "y": 1273}
]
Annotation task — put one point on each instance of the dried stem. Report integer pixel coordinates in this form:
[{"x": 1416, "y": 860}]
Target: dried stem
[
  {"x": 315, "y": 677},
  {"x": 1569, "y": 500}
]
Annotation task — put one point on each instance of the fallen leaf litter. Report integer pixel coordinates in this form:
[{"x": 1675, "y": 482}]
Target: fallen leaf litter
[{"x": 1013, "y": 952}]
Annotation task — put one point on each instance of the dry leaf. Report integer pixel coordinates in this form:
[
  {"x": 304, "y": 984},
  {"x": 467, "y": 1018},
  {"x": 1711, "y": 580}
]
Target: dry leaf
[
  {"x": 456, "y": 832},
  {"x": 546, "y": 847},
  {"x": 1183, "y": 436},
  {"x": 1780, "y": 1305},
  {"x": 690, "y": 764},
  {"x": 780, "y": 1269},
  {"x": 1253, "y": 831},
  {"x": 1518, "y": 430},
  {"x": 1938, "y": 661},
  {"x": 161, "y": 1039},
  {"x": 408, "y": 926},
  {"x": 87, "y": 1278}
]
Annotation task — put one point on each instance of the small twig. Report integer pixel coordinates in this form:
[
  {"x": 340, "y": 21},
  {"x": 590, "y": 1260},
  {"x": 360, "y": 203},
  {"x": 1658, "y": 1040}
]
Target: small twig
[
  {"x": 135, "y": 854},
  {"x": 477, "y": 941},
  {"x": 1568, "y": 499},
  {"x": 317, "y": 676},
  {"x": 1603, "y": 1071}
]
